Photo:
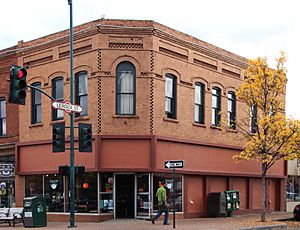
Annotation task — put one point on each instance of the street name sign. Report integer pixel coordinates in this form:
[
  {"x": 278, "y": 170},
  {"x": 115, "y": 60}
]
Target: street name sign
[
  {"x": 67, "y": 106},
  {"x": 174, "y": 164}
]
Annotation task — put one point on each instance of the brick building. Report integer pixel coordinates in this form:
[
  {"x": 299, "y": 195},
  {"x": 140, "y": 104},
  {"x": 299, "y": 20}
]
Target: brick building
[
  {"x": 152, "y": 94},
  {"x": 9, "y": 130}
]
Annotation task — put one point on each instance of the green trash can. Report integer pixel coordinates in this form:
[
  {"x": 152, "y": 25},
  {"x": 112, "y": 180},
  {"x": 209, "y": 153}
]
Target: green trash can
[
  {"x": 232, "y": 201},
  {"x": 34, "y": 212}
]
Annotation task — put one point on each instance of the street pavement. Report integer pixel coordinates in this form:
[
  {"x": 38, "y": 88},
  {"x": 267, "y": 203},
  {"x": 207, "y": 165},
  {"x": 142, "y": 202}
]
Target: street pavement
[{"x": 244, "y": 222}]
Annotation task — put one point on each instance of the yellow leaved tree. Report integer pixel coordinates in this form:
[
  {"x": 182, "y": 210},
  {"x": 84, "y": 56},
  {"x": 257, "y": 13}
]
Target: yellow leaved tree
[{"x": 272, "y": 136}]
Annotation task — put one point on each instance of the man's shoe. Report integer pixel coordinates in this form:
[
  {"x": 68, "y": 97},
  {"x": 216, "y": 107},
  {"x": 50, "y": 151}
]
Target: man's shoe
[
  {"x": 166, "y": 223},
  {"x": 153, "y": 219}
]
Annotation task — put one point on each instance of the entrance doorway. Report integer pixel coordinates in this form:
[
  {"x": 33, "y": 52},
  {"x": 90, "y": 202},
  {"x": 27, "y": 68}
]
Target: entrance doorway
[{"x": 125, "y": 196}]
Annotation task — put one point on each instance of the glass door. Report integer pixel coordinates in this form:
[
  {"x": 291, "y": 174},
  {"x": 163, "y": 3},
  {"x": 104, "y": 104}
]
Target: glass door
[{"x": 143, "y": 198}]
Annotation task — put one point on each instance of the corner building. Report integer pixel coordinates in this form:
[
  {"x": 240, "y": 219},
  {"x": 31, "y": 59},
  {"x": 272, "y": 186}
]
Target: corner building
[{"x": 152, "y": 94}]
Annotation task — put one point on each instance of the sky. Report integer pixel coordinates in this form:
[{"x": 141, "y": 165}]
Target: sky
[{"x": 248, "y": 28}]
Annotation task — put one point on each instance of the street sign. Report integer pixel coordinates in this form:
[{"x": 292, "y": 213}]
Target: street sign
[
  {"x": 174, "y": 164},
  {"x": 67, "y": 106}
]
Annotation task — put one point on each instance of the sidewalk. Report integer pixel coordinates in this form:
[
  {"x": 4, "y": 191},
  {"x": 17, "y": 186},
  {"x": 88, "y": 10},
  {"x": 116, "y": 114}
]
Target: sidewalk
[{"x": 236, "y": 222}]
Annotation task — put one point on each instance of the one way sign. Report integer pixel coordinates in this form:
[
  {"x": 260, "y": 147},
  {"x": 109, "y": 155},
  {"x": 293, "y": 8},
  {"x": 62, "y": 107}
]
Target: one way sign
[{"x": 174, "y": 164}]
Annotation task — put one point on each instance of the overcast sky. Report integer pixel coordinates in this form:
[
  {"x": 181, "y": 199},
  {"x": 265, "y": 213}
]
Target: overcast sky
[{"x": 248, "y": 28}]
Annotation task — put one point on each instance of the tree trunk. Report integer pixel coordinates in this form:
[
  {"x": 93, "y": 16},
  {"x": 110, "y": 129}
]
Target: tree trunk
[{"x": 264, "y": 192}]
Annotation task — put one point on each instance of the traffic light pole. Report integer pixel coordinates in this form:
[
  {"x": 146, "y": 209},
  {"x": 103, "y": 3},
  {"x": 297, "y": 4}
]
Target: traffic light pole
[{"x": 72, "y": 173}]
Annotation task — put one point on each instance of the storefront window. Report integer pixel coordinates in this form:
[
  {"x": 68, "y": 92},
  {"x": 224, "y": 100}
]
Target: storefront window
[
  {"x": 55, "y": 188},
  {"x": 157, "y": 178},
  {"x": 293, "y": 188},
  {"x": 106, "y": 193},
  {"x": 54, "y": 192},
  {"x": 34, "y": 185},
  {"x": 86, "y": 193}
]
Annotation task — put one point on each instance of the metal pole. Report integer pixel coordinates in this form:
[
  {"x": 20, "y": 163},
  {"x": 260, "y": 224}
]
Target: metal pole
[
  {"x": 174, "y": 194},
  {"x": 72, "y": 174}
]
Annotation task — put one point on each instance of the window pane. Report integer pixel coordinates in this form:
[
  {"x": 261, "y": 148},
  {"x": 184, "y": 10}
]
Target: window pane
[
  {"x": 230, "y": 107},
  {"x": 84, "y": 105},
  {"x": 54, "y": 193},
  {"x": 126, "y": 104},
  {"x": 214, "y": 102},
  {"x": 168, "y": 105},
  {"x": 38, "y": 113},
  {"x": 197, "y": 113},
  {"x": 59, "y": 90},
  {"x": 33, "y": 185},
  {"x": 198, "y": 94},
  {"x": 3, "y": 109},
  {"x": 126, "y": 82},
  {"x": 213, "y": 117},
  {"x": 82, "y": 81},
  {"x": 169, "y": 87}
]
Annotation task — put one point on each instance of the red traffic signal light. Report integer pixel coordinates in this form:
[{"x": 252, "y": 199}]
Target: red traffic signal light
[{"x": 18, "y": 85}]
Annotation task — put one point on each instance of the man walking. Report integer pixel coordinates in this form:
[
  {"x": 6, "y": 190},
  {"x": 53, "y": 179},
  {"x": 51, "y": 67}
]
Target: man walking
[{"x": 161, "y": 195}]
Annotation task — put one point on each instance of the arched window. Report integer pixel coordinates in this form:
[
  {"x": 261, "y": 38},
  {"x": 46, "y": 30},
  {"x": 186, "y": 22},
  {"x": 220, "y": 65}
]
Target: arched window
[
  {"x": 170, "y": 94},
  {"x": 125, "y": 89},
  {"x": 231, "y": 112},
  {"x": 216, "y": 106},
  {"x": 36, "y": 104},
  {"x": 199, "y": 102},
  {"x": 58, "y": 94},
  {"x": 81, "y": 92}
]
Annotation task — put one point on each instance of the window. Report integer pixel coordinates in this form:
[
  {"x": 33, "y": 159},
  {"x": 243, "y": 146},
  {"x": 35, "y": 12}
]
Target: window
[
  {"x": 125, "y": 89},
  {"x": 199, "y": 103},
  {"x": 231, "y": 110},
  {"x": 106, "y": 193},
  {"x": 58, "y": 94},
  {"x": 253, "y": 119},
  {"x": 36, "y": 104},
  {"x": 2, "y": 117},
  {"x": 216, "y": 106},
  {"x": 81, "y": 92},
  {"x": 170, "y": 92}
]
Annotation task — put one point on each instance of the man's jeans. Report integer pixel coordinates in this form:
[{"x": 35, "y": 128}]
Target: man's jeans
[{"x": 159, "y": 212}]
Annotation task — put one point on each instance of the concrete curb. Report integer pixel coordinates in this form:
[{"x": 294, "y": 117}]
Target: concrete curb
[{"x": 272, "y": 227}]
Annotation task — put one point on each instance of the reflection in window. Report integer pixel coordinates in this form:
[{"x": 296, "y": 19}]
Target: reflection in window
[
  {"x": 106, "y": 193},
  {"x": 216, "y": 106},
  {"x": 81, "y": 92},
  {"x": 33, "y": 185},
  {"x": 2, "y": 117},
  {"x": 170, "y": 96},
  {"x": 36, "y": 104},
  {"x": 170, "y": 190},
  {"x": 125, "y": 92},
  {"x": 199, "y": 103},
  {"x": 231, "y": 112},
  {"x": 54, "y": 193},
  {"x": 86, "y": 193},
  {"x": 58, "y": 94},
  {"x": 55, "y": 189}
]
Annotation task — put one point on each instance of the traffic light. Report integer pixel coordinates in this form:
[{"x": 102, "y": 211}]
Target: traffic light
[
  {"x": 58, "y": 137},
  {"x": 85, "y": 137},
  {"x": 79, "y": 170},
  {"x": 18, "y": 85},
  {"x": 64, "y": 170}
]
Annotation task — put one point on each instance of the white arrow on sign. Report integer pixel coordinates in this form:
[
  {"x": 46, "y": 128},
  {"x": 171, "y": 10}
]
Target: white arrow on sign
[
  {"x": 174, "y": 164},
  {"x": 67, "y": 106}
]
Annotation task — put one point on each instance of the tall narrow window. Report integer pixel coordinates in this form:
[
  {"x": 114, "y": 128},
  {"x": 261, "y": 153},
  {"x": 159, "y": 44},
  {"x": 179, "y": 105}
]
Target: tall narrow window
[
  {"x": 81, "y": 92},
  {"x": 199, "y": 103},
  {"x": 125, "y": 89},
  {"x": 231, "y": 110},
  {"x": 253, "y": 119},
  {"x": 216, "y": 106},
  {"x": 36, "y": 104},
  {"x": 2, "y": 117},
  {"x": 58, "y": 94},
  {"x": 170, "y": 93}
]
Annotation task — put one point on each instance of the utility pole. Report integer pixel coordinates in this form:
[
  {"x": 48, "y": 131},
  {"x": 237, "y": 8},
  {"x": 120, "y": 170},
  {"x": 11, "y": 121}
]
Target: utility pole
[{"x": 72, "y": 173}]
